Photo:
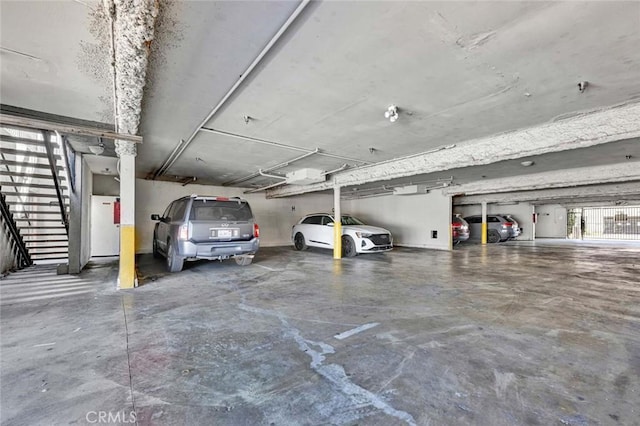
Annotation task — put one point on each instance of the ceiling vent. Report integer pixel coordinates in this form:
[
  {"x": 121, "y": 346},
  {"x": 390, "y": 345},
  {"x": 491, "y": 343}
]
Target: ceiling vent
[{"x": 306, "y": 176}]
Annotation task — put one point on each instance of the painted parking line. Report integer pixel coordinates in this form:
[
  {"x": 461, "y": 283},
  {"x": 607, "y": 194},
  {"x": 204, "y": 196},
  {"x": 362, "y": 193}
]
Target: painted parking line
[{"x": 356, "y": 330}]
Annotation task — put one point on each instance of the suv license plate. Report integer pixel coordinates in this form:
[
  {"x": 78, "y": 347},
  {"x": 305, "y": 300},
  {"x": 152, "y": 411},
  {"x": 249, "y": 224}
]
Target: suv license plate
[{"x": 225, "y": 233}]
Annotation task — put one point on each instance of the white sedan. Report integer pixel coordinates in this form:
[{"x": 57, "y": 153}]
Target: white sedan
[{"x": 316, "y": 230}]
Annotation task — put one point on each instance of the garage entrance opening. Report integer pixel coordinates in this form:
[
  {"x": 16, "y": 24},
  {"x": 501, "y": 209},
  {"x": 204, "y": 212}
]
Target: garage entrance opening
[{"x": 604, "y": 223}]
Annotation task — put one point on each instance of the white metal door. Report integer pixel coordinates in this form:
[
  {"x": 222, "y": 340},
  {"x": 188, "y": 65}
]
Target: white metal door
[{"x": 105, "y": 235}]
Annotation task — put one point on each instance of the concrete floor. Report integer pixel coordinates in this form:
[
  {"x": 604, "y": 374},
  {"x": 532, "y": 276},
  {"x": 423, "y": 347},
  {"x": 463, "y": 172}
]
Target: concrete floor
[{"x": 516, "y": 333}]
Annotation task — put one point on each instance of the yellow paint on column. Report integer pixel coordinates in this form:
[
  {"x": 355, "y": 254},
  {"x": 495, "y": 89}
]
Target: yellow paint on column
[
  {"x": 127, "y": 277},
  {"x": 337, "y": 240},
  {"x": 484, "y": 232}
]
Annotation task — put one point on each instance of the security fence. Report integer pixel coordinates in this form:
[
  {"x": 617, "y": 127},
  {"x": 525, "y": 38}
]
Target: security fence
[{"x": 605, "y": 223}]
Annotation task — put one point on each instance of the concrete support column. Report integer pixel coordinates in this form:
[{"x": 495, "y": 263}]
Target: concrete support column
[
  {"x": 127, "y": 275},
  {"x": 484, "y": 222},
  {"x": 337, "y": 225}
]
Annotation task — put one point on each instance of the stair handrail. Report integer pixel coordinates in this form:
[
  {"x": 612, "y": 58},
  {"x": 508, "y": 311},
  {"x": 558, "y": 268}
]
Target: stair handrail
[
  {"x": 56, "y": 181},
  {"x": 21, "y": 252},
  {"x": 20, "y": 197},
  {"x": 64, "y": 147}
]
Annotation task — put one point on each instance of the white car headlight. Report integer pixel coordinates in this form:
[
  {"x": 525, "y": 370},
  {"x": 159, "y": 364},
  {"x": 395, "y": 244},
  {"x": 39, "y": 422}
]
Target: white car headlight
[{"x": 363, "y": 234}]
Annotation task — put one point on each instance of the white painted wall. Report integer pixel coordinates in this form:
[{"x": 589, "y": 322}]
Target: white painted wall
[
  {"x": 274, "y": 216},
  {"x": 105, "y": 185},
  {"x": 522, "y": 212},
  {"x": 552, "y": 221},
  {"x": 7, "y": 261},
  {"x": 410, "y": 218}
]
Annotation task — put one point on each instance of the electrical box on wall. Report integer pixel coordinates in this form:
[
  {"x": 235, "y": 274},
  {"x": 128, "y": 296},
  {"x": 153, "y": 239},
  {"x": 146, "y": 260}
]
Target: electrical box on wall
[{"x": 306, "y": 176}]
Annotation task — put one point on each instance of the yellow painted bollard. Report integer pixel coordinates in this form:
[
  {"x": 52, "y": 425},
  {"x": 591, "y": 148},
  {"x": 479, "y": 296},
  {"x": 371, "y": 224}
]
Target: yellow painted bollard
[
  {"x": 484, "y": 232},
  {"x": 337, "y": 240}
]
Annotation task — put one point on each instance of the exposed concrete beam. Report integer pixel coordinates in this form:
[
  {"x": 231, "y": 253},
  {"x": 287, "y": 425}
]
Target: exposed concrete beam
[
  {"x": 132, "y": 28},
  {"x": 613, "y": 192},
  {"x": 581, "y": 131},
  {"x": 622, "y": 172},
  {"x": 66, "y": 129}
]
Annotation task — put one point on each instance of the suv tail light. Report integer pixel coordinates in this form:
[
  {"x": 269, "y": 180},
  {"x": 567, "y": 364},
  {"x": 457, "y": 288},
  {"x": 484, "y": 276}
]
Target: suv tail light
[
  {"x": 256, "y": 230},
  {"x": 456, "y": 225},
  {"x": 183, "y": 232}
]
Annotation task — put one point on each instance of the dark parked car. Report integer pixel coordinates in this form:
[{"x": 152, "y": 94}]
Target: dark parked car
[
  {"x": 459, "y": 229},
  {"x": 205, "y": 227},
  {"x": 498, "y": 228}
]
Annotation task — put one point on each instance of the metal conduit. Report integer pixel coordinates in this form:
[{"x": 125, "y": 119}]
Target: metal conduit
[
  {"x": 277, "y": 166},
  {"x": 182, "y": 146},
  {"x": 344, "y": 166},
  {"x": 261, "y": 173},
  {"x": 271, "y": 176},
  {"x": 273, "y": 185},
  {"x": 280, "y": 145}
]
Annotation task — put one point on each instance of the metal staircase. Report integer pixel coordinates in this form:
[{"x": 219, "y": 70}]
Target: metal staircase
[{"x": 35, "y": 188}]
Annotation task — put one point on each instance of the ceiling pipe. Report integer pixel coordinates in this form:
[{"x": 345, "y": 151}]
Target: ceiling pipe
[
  {"x": 339, "y": 169},
  {"x": 172, "y": 158},
  {"x": 280, "y": 145},
  {"x": 278, "y": 166},
  {"x": 271, "y": 176},
  {"x": 273, "y": 185}
]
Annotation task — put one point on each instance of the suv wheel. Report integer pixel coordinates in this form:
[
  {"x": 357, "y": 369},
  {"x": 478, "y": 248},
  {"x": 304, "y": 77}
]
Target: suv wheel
[
  {"x": 348, "y": 246},
  {"x": 174, "y": 262},
  {"x": 298, "y": 242},
  {"x": 493, "y": 236}
]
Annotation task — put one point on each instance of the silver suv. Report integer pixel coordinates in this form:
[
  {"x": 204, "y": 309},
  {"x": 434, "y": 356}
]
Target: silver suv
[
  {"x": 204, "y": 227},
  {"x": 498, "y": 229}
]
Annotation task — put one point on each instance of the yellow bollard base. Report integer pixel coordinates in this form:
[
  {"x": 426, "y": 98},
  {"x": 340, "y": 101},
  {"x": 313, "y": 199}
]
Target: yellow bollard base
[{"x": 127, "y": 277}]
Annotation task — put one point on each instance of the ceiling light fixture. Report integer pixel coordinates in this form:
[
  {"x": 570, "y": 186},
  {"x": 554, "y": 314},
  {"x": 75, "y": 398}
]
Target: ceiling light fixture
[
  {"x": 391, "y": 113},
  {"x": 527, "y": 163},
  {"x": 97, "y": 149}
]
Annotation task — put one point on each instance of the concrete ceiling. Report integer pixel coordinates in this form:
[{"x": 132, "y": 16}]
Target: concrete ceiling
[{"x": 458, "y": 71}]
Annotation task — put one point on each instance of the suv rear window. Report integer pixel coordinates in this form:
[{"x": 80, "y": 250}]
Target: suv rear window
[{"x": 220, "y": 210}]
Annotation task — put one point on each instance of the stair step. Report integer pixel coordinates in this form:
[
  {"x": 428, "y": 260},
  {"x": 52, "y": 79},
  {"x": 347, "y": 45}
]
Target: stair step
[
  {"x": 27, "y": 163},
  {"x": 39, "y": 249},
  {"x": 30, "y": 219},
  {"x": 41, "y": 252},
  {"x": 26, "y": 141},
  {"x": 44, "y": 237},
  {"x": 26, "y": 153},
  {"x": 30, "y": 203},
  {"x": 61, "y": 227},
  {"x": 27, "y": 175},
  {"x": 36, "y": 212},
  {"x": 32, "y": 195},
  {"x": 32, "y": 185},
  {"x": 49, "y": 256}
]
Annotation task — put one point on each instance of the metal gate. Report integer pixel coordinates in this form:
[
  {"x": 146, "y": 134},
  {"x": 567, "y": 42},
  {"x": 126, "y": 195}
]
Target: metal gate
[{"x": 604, "y": 223}]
